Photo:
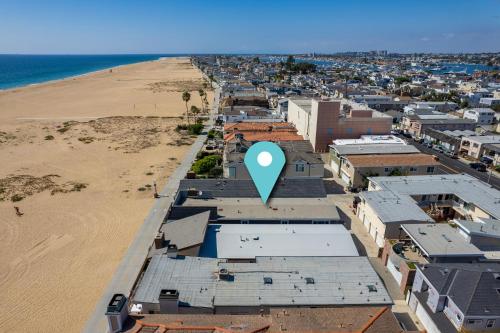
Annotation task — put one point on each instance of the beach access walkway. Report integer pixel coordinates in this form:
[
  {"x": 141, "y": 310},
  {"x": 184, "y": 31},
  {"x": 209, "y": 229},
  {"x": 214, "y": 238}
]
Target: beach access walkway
[{"x": 126, "y": 274}]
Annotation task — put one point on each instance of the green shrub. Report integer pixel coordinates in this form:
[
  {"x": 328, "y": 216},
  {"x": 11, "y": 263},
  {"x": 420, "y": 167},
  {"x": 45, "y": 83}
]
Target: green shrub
[
  {"x": 195, "y": 129},
  {"x": 206, "y": 164},
  {"x": 202, "y": 154},
  {"x": 215, "y": 172}
]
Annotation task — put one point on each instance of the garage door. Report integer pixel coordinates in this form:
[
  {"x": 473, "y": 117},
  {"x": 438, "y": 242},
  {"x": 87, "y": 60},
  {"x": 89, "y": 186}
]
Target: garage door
[
  {"x": 345, "y": 177},
  {"x": 377, "y": 236},
  {"x": 335, "y": 168}
]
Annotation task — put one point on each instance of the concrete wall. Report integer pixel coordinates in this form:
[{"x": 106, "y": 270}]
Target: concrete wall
[{"x": 299, "y": 118}]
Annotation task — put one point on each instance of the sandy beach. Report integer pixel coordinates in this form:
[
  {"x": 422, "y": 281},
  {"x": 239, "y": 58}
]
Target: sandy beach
[{"x": 79, "y": 157}]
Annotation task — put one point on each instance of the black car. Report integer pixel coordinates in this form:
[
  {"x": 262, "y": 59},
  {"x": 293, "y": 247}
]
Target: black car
[{"x": 478, "y": 166}]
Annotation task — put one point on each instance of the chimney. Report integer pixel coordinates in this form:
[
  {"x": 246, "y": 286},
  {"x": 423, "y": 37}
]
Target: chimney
[
  {"x": 117, "y": 312},
  {"x": 169, "y": 301},
  {"x": 159, "y": 240},
  {"x": 172, "y": 251}
]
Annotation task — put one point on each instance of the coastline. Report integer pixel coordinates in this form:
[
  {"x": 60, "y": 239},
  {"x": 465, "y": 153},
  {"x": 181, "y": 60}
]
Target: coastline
[
  {"x": 85, "y": 185},
  {"x": 71, "y": 77}
]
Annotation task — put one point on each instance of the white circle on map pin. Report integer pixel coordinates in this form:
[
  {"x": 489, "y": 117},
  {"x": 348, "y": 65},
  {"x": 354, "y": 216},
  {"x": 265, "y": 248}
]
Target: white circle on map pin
[{"x": 264, "y": 159}]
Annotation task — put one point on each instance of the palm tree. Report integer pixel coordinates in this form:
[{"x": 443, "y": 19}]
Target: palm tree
[
  {"x": 195, "y": 111},
  {"x": 186, "y": 96},
  {"x": 202, "y": 93}
]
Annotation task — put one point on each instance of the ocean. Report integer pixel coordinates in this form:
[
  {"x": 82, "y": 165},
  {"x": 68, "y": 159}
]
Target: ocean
[{"x": 22, "y": 70}]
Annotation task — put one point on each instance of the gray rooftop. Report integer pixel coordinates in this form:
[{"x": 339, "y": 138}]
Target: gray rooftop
[
  {"x": 446, "y": 121},
  {"x": 365, "y": 149},
  {"x": 485, "y": 227},
  {"x": 485, "y": 139},
  {"x": 472, "y": 287},
  {"x": 238, "y": 241},
  {"x": 391, "y": 196},
  {"x": 336, "y": 281},
  {"x": 440, "y": 240},
  {"x": 186, "y": 232},
  {"x": 276, "y": 209},
  {"x": 239, "y": 188}
]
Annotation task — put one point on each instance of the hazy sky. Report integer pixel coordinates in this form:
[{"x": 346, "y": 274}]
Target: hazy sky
[{"x": 241, "y": 26}]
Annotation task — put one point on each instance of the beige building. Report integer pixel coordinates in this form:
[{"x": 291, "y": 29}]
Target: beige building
[
  {"x": 393, "y": 201},
  {"x": 321, "y": 121},
  {"x": 357, "y": 168},
  {"x": 474, "y": 146}
]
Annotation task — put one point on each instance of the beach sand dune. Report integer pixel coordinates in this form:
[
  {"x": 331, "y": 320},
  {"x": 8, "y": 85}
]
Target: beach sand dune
[{"x": 79, "y": 157}]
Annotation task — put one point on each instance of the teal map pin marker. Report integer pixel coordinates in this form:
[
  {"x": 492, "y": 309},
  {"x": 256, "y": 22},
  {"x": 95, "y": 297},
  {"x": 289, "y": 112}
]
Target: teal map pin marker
[{"x": 264, "y": 161}]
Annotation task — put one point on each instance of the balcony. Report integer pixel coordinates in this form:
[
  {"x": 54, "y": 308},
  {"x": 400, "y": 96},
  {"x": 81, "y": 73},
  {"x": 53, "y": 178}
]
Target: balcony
[{"x": 406, "y": 252}]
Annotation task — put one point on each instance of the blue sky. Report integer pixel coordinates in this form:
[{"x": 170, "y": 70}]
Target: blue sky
[{"x": 244, "y": 26}]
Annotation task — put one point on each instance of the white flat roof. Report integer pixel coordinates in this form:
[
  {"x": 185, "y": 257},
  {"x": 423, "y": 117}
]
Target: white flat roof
[
  {"x": 370, "y": 139},
  {"x": 247, "y": 241}
]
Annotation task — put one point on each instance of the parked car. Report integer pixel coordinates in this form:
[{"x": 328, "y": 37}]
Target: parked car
[
  {"x": 438, "y": 149},
  {"x": 478, "y": 166},
  {"x": 451, "y": 154},
  {"x": 486, "y": 160}
]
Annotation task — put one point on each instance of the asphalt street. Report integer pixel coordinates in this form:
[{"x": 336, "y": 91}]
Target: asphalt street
[{"x": 450, "y": 165}]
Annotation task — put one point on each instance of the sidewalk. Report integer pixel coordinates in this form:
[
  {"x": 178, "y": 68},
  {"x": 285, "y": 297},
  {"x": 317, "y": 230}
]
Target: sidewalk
[{"x": 127, "y": 272}]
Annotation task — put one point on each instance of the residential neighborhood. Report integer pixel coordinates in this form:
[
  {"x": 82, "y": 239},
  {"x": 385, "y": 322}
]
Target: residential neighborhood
[{"x": 369, "y": 193}]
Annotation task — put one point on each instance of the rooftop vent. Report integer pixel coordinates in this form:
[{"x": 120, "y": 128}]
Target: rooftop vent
[
  {"x": 268, "y": 280},
  {"x": 225, "y": 275},
  {"x": 309, "y": 280},
  {"x": 169, "y": 293}
]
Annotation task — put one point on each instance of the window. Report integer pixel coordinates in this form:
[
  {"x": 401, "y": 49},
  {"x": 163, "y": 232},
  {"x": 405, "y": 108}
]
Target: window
[
  {"x": 299, "y": 167},
  {"x": 349, "y": 130},
  {"x": 232, "y": 172},
  {"x": 490, "y": 323},
  {"x": 386, "y": 169},
  {"x": 413, "y": 169},
  {"x": 369, "y": 130},
  {"x": 430, "y": 169},
  {"x": 329, "y": 131}
]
